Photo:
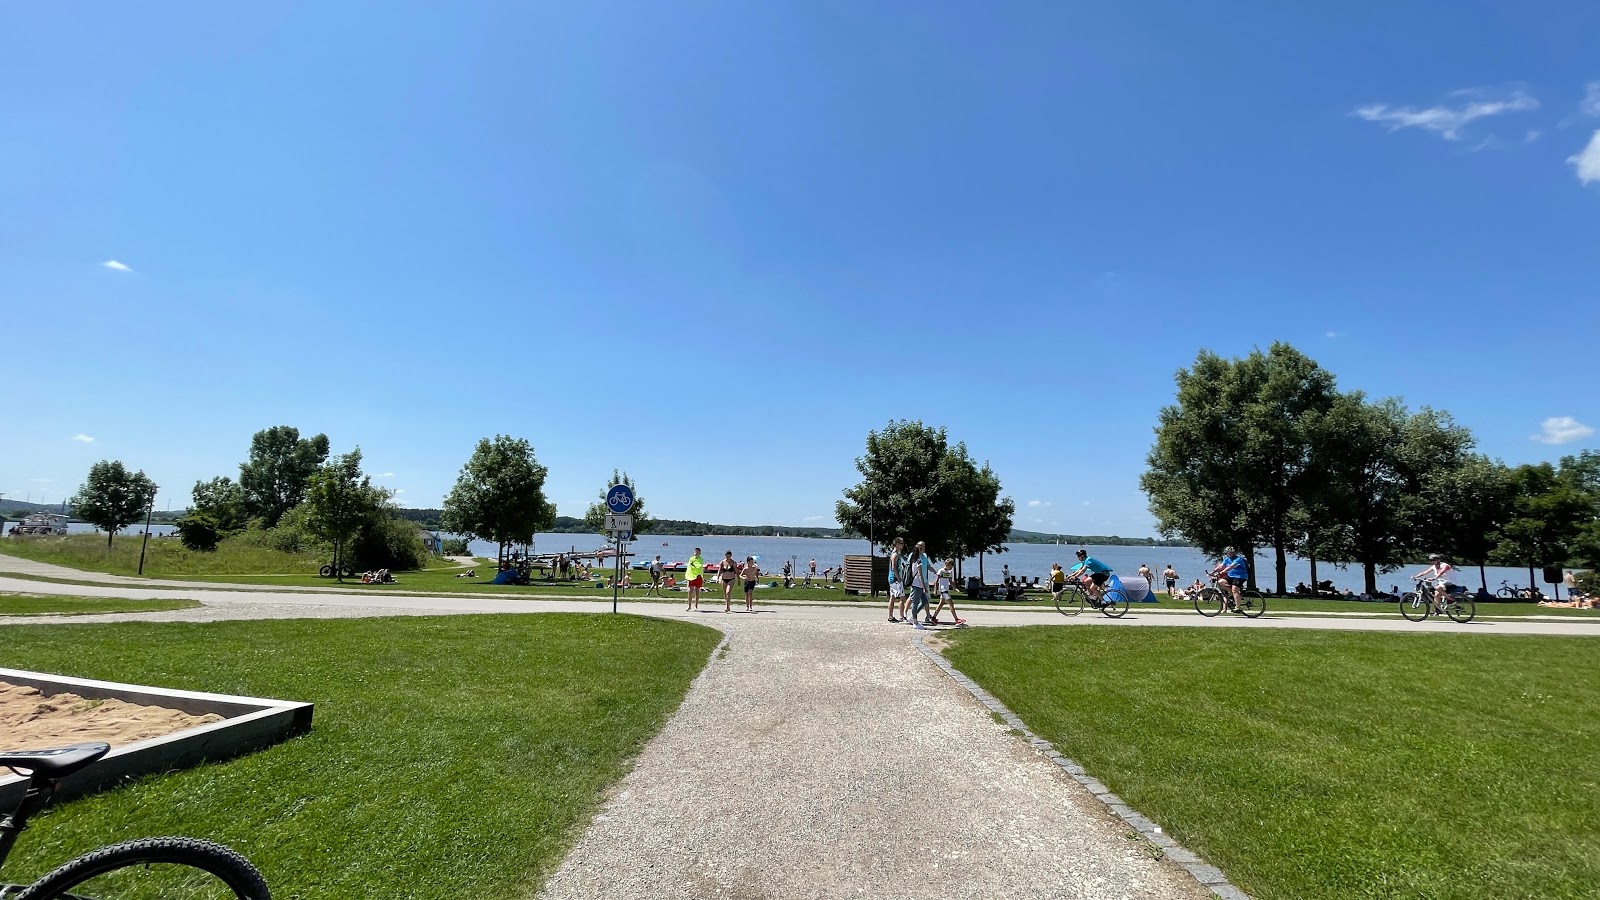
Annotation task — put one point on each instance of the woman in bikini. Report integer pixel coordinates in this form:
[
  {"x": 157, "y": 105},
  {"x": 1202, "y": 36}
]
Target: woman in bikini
[{"x": 725, "y": 571}]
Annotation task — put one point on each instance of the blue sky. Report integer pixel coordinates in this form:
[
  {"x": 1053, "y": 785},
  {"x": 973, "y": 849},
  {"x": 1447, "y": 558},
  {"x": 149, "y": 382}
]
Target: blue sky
[{"x": 715, "y": 243}]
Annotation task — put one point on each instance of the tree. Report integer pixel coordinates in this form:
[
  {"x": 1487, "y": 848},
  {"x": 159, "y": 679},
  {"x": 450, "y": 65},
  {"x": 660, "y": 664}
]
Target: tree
[
  {"x": 113, "y": 498},
  {"x": 914, "y": 484},
  {"x": 223, "y": 501},
  {"x": 499, "y": 495},
  {"x": 595, "y": 516},
  {"x": 1549, "y": 513},
  {"x": 1469, "y": 505},
  {"x": 1197, "y": 483},
  {"x": 281, "y": 463},
  {"x": 340, "y": 502}
]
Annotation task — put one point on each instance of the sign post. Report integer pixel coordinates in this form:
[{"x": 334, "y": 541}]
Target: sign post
[{"x": 619, "y": 499}]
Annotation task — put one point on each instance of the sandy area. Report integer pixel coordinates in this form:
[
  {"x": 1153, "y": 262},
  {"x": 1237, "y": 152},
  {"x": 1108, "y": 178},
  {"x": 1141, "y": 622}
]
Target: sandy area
[{"x": 30, "y": 720}]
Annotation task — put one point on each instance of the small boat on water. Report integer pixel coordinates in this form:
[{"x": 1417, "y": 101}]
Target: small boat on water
[{"x": 41, "y": 523}]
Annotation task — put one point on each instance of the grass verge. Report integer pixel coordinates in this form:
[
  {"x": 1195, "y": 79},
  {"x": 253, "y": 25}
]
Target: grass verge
[
  {"x": 54, "y": 605},
  {"x": 450, "y": 757},
  {"x": 1316, "y": 764}
]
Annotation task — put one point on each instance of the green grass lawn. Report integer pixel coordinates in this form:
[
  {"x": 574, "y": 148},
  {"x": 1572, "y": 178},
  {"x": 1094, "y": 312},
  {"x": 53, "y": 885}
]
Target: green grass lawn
[
  {"x": 1317, "y": 764},
  {"x": 450, "y": 757},
  {"x": 12, "y": 604}
]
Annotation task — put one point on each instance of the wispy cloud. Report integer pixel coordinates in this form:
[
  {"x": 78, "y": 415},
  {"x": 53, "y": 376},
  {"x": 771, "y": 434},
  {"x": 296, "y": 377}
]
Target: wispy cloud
[
  {"x": 116, "y": 266},
  {"x": 83, "y": 437},
  {"x": 813, "y": 518},
  {"x": 384, "y": 475},
  {"x": 1588, "y": 161},
  {"x": 1533, "y": 135},
  {"x": 1040, "y": 503},
  {"x": 1447, "y": 120},
  {"x": 1332, "y": 334},
  {"x": 1589, "y": 107},
  {"x": 42, "y": 480},
  {"x": 1561, "y": 430}
]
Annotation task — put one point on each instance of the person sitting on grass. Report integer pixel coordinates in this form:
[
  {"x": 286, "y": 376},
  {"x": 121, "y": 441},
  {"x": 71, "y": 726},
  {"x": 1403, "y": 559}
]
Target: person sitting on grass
[{"x": 1579, "y": 600}]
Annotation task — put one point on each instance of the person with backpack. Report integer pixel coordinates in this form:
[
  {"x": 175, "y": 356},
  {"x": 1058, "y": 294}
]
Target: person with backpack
[
  {"x": 897, "y": 592},
  {"x": 920, "y": 577}
]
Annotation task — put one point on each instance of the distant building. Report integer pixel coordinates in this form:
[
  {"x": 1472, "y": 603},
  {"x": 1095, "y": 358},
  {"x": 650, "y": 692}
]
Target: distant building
[{"x": 432, "y": 541}]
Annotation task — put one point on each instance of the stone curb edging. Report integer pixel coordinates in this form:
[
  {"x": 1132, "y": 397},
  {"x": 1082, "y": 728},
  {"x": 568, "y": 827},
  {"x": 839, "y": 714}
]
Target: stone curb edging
[{"x": 1209, "y": 876}]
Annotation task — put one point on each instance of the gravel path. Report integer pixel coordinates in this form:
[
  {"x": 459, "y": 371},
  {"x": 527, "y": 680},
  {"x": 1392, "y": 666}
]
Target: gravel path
[{"x": 828, "y": 759}]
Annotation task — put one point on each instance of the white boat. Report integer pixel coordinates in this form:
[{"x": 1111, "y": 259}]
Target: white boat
[{"x": 41, "y": 523}]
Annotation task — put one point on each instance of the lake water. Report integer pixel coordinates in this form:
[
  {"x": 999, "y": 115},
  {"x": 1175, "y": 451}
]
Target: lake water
[{"x": 1027, "y": 560}]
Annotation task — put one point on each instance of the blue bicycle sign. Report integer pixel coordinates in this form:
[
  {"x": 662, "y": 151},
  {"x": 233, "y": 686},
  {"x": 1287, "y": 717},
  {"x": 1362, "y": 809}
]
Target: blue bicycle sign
[{"x": 619, "y": 499}]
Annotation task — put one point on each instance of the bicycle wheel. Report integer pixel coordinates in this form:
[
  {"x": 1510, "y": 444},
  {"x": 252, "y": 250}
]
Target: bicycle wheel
[
  {"x": 1070, "y": 602},
  {"x": 1252, "y": 604},
  {"x": 326, "y": 571},
  {"x": 1208, "y": 602},
  {"x": 1461, "y": 609},
  {"x": 1506, "y": 593},
  {"x": 163, "y": 868},
  {"x": 1114, "y": 603},
  {"x": 1251, "y": 594},
  {"x": 1414, "y": 606}
]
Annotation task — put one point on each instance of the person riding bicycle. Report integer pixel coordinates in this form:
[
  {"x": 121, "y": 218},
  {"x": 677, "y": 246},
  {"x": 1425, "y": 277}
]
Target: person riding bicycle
[
  {"x": 1092, "y": 574},
  {"x": 1440, "y": 572},
  {"x": 1236, "y": 569}
]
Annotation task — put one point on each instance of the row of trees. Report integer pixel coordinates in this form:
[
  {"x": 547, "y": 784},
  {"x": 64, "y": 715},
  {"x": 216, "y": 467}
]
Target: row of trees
[
  {"x": 916, "y": 484},
  {"x": 1266, "y": 451}
]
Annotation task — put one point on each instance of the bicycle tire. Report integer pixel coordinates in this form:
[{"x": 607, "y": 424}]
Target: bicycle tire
[
  {"x": 1461, "y": 609},
  {"x": 1251, "y": 594},
  {"x": 1114, "y": 603},
  {"x": 326, "y": 571},
  {"x": 1251, "y": 607},
  {"x": 1070, "y": 602},
  {"x": 1506, "y": 593},
  {"x": 1414, "y": 606},
  {"x": 1209, "y": 602},
  {"x": 227, "y": 866}
]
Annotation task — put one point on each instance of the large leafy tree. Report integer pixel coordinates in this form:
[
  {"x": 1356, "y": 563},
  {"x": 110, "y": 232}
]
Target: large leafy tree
[
  {"x": 499, "y": 495},
  {"x": 1550, "y": 513},
  {"x": 915, "y": 484},
  {"x": 595, "y": 515},
  {"x": 280, "y": 466},
  {"x": 223, "y": 500},
  {"x": 112, "y": 498},
  {"x": 1469, "y": 505},
  {"x": 341, "y": 502}
]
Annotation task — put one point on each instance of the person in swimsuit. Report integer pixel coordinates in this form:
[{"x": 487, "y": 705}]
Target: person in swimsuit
[
  {"x": 1171, "y": 575},
  {"x": 727, "y": 575},
  {"x": 750, "y": 572}
]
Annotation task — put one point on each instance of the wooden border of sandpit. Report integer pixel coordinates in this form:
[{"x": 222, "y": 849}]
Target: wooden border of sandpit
[{"x": 248, "y": 724}]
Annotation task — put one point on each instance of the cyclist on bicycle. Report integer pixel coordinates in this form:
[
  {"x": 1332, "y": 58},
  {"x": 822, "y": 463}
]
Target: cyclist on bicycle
[
  {"x": 1236, "y": 569},
  {"x": 1439, "y": 571},
  {"x": 1092, "y": 574}
]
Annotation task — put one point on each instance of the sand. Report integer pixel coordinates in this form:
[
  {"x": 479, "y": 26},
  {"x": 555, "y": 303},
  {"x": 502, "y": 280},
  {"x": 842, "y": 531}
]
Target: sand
[{"x": 31, "y": 721}]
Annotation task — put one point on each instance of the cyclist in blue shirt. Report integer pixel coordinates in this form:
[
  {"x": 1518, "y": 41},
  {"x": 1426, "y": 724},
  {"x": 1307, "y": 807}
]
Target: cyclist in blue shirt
[
  {"x": 1236, "y": 568},
  {"x": 1092, "y": 574}
]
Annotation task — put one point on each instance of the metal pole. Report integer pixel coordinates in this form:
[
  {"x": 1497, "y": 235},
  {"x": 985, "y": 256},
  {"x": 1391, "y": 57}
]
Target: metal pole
[
  {"x": 616, "y": 577},
  {"x": 148, "y": 512}
]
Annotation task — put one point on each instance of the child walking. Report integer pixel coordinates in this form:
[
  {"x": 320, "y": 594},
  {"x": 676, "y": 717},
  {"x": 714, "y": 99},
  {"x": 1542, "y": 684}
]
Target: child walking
[{"x": 947, "y": 574}]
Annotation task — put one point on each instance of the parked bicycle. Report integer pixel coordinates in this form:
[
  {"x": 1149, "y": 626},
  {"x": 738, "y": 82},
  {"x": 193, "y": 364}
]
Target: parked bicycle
[
  {"x": 1218, "y": 598},
  {"x": 1509, "y": 591},
  {"x": 1073, "y": 600},
  {"x": 1419, "y": 604},
  {"x": 161, "y": 867}
]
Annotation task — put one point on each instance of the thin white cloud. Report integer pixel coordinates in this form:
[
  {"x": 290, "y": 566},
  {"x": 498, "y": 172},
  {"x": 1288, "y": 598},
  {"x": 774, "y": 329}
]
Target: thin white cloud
[
  {"x": 1561, "y": 430},
  {"x": 83, "y": 437},
  {"x": 116, "y": 266},
  {"x": 813, "y": 518},
  {"x": 1587, "y": 162},
  {"x": 1590, "y": 105},
  {"x": 384, "y": 475},
  {"x": 1533, "y": 135},
  {"x": 1445, "y": 120},
  {"x": 1332, "y": 334},
  {"x": 1040, "y": 503}
]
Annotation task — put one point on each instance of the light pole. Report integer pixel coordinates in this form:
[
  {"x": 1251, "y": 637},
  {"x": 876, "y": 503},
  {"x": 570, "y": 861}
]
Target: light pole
[{"x": 149, "y": 511}]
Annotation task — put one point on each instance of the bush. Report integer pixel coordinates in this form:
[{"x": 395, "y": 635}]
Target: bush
[
  {"x": 388, "y": 543},
  {"x": 454, "y": 547},
  {"x": 198, "y": 532}
]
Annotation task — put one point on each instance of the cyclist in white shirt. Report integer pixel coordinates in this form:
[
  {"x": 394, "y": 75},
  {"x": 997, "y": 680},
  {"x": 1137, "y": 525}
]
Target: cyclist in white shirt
[{"x": 1442, "y": 574}]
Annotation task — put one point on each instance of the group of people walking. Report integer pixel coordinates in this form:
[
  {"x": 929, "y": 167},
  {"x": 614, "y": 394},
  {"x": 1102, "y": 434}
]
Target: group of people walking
[
  {"x": 729, "y": 572},
  {"x": 912, "y": 578}
]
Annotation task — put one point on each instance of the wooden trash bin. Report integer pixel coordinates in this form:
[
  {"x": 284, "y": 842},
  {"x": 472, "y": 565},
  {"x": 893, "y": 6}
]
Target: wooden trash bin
[{"x": 866, "y": 575}]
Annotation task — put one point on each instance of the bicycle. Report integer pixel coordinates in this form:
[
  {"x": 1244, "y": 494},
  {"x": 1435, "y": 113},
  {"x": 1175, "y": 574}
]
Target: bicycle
[
  {"x": 1073, "y": 599},
  {"x": 1419, "y": 604},
  {"x": 1509, "y": 592},
  {"x": 1215, "y": 600},
  {"x": 161, "y": 867}
]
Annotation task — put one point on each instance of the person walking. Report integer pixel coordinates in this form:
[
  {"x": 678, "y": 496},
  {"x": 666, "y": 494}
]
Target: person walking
[
  {"x": 750, "y": 572},
  {"x": 1058, "y": 581},
  {"x": 1148, "y": 576},
  {"x": 655, "y": 576},
  {"x": 1171, "y": 575},
  {"x": 921, "y": 578},
  {"x": 947, "y": 575},
  {"x": 897, "y": 588},
  {"x": 697, "y": 576},
  {"x": 727, "y": 574}
]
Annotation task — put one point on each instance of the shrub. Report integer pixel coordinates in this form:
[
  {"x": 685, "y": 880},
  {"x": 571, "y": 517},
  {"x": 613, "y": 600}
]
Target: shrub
[
  {"x": 198, "y": 532},
  {"x": 388, "y": 543},
  {"x": 454, "y": 547}
]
